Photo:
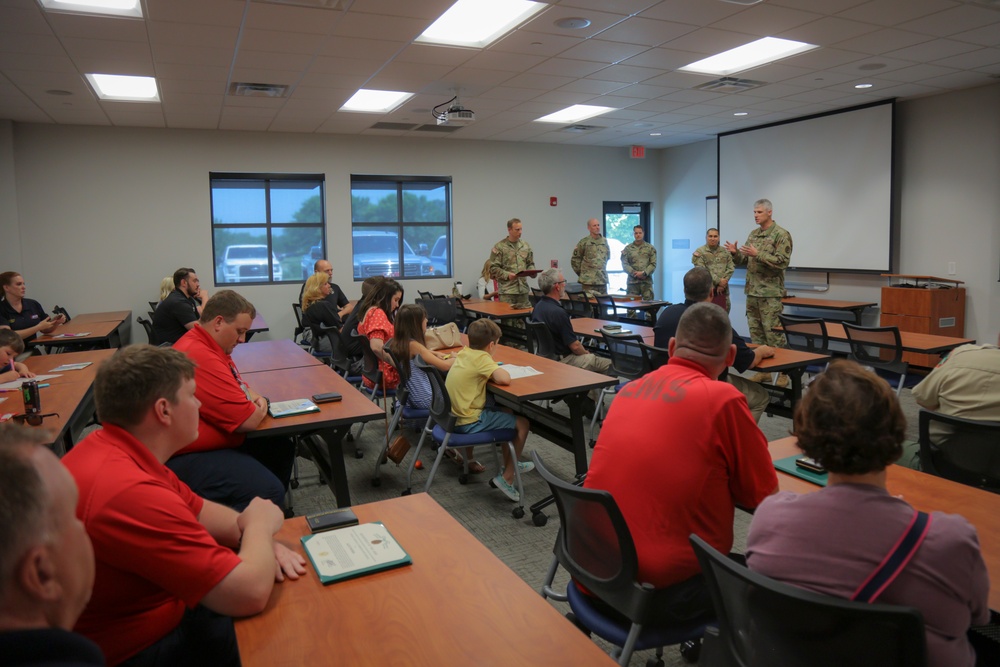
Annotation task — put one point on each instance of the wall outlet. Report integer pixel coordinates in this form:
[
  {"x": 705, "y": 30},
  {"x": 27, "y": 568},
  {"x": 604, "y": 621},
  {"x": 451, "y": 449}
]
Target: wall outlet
[{"x": 951, "y": 268}]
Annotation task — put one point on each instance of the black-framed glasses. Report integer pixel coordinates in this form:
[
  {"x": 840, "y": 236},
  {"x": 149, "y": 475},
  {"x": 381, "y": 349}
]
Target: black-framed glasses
[{"x": 33, "y": 419}]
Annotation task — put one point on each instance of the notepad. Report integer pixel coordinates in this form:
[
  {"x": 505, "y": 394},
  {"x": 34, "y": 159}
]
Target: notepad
[
  {"x": 298, "y": 406},
  {"x": 354, "y": 552},
  {"x": 520, "y": 371},
  {"x": 72, "y": 367}
]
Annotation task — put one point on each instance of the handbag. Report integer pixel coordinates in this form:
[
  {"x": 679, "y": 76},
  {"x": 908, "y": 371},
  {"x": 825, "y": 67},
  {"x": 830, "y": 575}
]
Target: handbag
[
  {"x": 443, "y": 337},
  {"x": 398, "y": 449}
]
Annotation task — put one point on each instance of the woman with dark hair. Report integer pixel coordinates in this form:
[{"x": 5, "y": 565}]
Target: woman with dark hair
[
  {"x": 376, "y": 313},
  {"x": 832, "y": 541},
  {"x": 23, "y": 315}
]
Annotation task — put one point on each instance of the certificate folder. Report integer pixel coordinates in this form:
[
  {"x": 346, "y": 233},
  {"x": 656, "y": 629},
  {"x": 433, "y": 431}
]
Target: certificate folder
[
  {"x": 788, "y": 465},
  {"x": 354, "y": 552},
  {"x": 298, "y": 406}
]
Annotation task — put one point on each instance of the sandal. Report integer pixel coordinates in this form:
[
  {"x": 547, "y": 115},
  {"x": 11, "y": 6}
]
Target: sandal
[{"x": 475, "y": 467}]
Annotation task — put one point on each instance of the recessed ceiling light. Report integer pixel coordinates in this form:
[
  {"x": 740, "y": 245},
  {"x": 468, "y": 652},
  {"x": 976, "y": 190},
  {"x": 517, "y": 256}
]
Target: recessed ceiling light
[
  {"x": 740, "y": 113},
  {"x": 573, "y": 23},
  {"x": 750, "y": 55},
  {"x": 574, "y": 114},
  {"x": 120, "y": 88},
  {"x": 864, "y": 85},
  {"x": 130, "y": 8},
  {"x": 375, "y": 101},
  {"x": 477, "y": 24}
]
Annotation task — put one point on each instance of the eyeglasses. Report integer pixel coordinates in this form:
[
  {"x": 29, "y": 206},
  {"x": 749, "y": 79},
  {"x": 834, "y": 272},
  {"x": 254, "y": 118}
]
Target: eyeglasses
[
  {"x": 33, "y": 420},
  {"x": 560, "y": 282}
]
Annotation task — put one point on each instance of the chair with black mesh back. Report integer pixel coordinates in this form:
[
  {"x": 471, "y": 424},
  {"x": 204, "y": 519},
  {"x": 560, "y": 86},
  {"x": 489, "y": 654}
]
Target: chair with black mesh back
[
  {"x": 595, "y": 546},
  {"x": 540, "y": 340},
  {"x": 372, "y": 372},
  {"x": 425, "y": 295},
  {"x": 606, "y": 307},
  {"x": 578, "y": 304},
  {"x": 807, "y": 334},
  {"x": 401, "y": 411},
  {"x": 439, "y": 311},
  {"x": 299, "y": 329},
  {"x": 766, "y": 622},
  {"x": 59, "y": 310},
  {"x": 339, "y": 360},
  {"x": 441, "y": 428},
  {"x": 153, "y": 304},
  {"x": 628, "y": 361},
  {"x": 962, "y": 450},
  {"x": 463, "y": 315},
  {"x": 657, "y": 356},
  {"x": 881, "y": 349},
  {"x": 148, "y": 327},
  {"x": 536, "y": 292}
]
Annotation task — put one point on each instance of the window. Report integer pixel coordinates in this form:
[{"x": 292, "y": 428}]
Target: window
[
  {"x": 267, "y": 228},
  {"x": 619, "y": 220},
  {"x": 401, "y": 221}
]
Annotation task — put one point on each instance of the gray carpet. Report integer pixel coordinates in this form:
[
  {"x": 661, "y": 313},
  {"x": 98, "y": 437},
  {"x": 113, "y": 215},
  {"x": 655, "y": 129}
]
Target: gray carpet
[{"x": 485, "y": 512}]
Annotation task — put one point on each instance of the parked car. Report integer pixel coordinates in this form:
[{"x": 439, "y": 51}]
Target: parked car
[
  {"x": 439, "y": 256},
  {"x": 248, "y": 264},
  {"x": 376, "y": 253}
]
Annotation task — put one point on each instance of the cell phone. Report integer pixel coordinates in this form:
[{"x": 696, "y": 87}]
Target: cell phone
[
  {"x": 810, "y": 464},
  {"x": 328, "y": 397},
  {"x": 330, "y": 520}
]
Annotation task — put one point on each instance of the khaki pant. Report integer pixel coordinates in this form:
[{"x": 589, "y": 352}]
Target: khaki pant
[
  {"x": 757, "y": 396},
  {"x": 589, "y": 362}
]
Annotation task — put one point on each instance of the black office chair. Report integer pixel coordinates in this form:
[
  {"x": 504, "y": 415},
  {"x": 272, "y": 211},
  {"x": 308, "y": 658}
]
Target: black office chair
[
  {"x": 628, "y": 361},
  {"x": 881, "y": 349},
  {"x": 606, "y": 307},
  {"x": 595, "y": 546},
  {"x": 807, "y": 334},
  {"x": 441, "y": 428},
  {"x": 963, "y": 450},
  {"x": 59, "y": 310},
  {"x": 766, "y": 622},
  {"x": 540, "y": 340},
  {"x": 338, "y": 359},
  {"x": 536, "y": 292},
  {"x": 657, "y": 356},
  {"x": 425, "y": 295},
  {"x": 299, "y": 329},
  {"x": 153, "y": 305},
  {"x": 148, "y": 326},
  {"x": 373, "y": 373},
  {"x": 577, "y": 308},
  {"x": 401, "y": 411},
  {"x": 440, "y": 311}
]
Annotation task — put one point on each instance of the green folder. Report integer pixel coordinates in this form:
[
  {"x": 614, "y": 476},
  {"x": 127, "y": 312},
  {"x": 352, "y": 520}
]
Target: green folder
[
  {"x": 788, "y": 465},
  {"x": 354, "y": 551}
]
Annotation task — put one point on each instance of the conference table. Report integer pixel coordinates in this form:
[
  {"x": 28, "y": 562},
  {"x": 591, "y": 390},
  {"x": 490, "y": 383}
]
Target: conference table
[
  {"x": 456, "y": 605},
  {"x": 927, "y": 493},
  {"x": 792, "y": 363},
  {"x": 590, "y": 327},
  {"x": 97, "y": 330},
  {"x": 504, "y": 313},
  {"x": 911, "y": 342},
  {"x": 70, "y": 395},
  {"x": 286, "y": 374},
  {"x": 258, "y": 325},
  {"x": 854, "y": 307}
]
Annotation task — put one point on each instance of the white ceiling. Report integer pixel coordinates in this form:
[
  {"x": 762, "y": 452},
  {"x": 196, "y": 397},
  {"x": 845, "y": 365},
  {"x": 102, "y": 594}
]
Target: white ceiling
[{"x": 627, "y": 58}]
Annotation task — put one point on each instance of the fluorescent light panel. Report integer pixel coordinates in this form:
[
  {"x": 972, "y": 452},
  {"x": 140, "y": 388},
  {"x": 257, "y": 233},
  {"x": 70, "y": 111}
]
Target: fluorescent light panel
[
  {"x": 375, "y": 101},
  {"x": 754, "y": 54},
  {"x": 121, "y": 88},
  {"x": 574, "y": 114},
  {"x": 129, "y": 8},
  {"x": 477, "y": 24}
]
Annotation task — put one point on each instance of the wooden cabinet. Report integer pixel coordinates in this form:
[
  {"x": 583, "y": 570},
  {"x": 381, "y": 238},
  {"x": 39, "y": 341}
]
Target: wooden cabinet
[{"x": 921, "y": 306}]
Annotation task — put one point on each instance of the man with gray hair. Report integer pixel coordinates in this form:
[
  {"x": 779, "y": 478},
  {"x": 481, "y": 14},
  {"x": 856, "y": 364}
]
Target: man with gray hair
[
  {"x": 678, "y": 452},
  {"x": 46, "y": 559},
  {"x": 556, "y": 319}
]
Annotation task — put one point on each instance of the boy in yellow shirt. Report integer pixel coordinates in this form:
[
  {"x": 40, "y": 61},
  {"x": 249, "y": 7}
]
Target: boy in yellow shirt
[{"x": 466, "y": 383}]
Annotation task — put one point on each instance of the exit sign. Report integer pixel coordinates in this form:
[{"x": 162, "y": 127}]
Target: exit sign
[{"x": 638, "y": 152}]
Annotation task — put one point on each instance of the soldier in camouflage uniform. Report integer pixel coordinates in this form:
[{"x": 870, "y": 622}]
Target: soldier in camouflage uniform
[
  {"x": 639, "y": 262},
  {"x": 766, "y": 255},
  {"x": 509, "y": 257},
  {"x": 590, "y": 260},
  {"x": 719, "y": 263}
]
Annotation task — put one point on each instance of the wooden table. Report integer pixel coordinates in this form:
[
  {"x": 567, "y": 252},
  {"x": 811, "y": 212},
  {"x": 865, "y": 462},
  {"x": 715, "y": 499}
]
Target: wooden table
[
  {"x": 590, "y": 327},
  {"x": 258, "y": 325},
  {"x": 456, "y": 605},
  {"x": 104, "y": 330},
  {"x": 70, "y": 395},
  {"x": 108, "y": 316},
  {"x": 792, "y": 363},
  {"x": 854, "y": 307},
  {"x": 927, "y": 493},
  {"x": 322, "y": 432},
  {"x": 912, "y": 342},
  {"x": 505, "y": 313},
  {"x": 271, "y": 355}
]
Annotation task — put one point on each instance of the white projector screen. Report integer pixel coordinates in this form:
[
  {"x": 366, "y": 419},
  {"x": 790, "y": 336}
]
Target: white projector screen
[{"x": 829, "y": 179}]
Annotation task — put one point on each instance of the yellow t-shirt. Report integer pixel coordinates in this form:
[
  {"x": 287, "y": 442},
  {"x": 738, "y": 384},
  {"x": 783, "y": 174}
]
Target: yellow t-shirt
[{"x": 466, "y": 384}]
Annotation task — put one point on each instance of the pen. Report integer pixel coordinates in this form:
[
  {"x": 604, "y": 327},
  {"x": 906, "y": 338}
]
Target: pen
[{"x": 43, "y": 385}]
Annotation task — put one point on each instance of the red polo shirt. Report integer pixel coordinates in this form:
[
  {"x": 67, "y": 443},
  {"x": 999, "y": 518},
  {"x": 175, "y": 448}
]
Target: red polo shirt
[
  {"x": 224, "y": 404},
  {"x": 153, "y": 556}
]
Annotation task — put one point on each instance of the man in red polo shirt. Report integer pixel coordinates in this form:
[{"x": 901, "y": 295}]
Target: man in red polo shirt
[
  {"x": 219, "y": 465},
  {"x": 172, "y": 568}
]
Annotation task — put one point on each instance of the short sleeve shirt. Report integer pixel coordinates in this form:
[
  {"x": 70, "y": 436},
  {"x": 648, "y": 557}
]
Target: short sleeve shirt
[
  {"x": 32, "y": 314},
  {"x": 153, "y": 557},
  {"x": 172, "y": 315},
  {"x": 466, "y": 384},
  {"x": 376, "y": 325},
  {"x": 552, "y": 315}
]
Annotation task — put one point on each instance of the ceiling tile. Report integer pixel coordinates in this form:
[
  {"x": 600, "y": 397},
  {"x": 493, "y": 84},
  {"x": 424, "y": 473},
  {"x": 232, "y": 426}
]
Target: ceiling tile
[
  {"x": 649, "y": 32},
  {"x": 881, "y": 41},
  {"x": 764, "y": 20},
  {"x": 375, "y": 26},
  {"x": 603, "y": 52},
  {"x": 694, "y": 12},
  {"x": 932, "y": 50}
]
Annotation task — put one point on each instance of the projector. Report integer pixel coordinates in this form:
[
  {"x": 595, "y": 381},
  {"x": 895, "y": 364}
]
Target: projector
[{"x": 456, "y": 116}]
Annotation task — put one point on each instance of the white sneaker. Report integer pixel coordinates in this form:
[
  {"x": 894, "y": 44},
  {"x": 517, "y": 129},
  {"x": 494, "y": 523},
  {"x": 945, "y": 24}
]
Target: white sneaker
[{"x": 499, "y": 482}]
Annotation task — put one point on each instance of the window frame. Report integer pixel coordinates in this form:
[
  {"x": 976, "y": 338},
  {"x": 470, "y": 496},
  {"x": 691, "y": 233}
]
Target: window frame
[
  {"x": 266, "y": 180},
  {"x": 401, "y": 225}
]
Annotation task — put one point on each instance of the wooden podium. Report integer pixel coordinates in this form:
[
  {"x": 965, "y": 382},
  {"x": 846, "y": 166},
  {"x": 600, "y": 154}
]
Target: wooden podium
[{"x": 924, "y": 304}]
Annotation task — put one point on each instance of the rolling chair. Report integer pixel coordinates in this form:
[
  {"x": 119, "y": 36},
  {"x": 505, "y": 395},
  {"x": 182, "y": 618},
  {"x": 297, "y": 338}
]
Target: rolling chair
[
  {"x": 886, "y": 343},
  {"x": 148, "y": 327},
  {"x": 299, "y": 329},
  {"x": 595, "y": 546},
  {"x": 540, "y": 340},
  {"x": 338, "y": 359},
  {"x": 607, "y": 308},
  {"x": 968, "y": 454},
  {"x": 401, "y": 411},
  {"x": 807, "y": 334},
  {"x": 441, "y": 428},
  {"x": 373, "y": 373},
  {"x": 766, "y": 622}
]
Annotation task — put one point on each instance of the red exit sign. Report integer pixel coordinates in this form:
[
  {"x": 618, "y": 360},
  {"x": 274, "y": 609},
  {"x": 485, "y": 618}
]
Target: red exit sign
[{"x": 638, "y": 152}]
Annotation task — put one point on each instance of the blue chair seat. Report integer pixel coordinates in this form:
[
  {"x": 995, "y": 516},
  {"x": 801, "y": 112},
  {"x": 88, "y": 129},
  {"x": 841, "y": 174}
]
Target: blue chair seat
[
  {"x": 612, "y": 630},
  {"x": 471, "y": 439}
]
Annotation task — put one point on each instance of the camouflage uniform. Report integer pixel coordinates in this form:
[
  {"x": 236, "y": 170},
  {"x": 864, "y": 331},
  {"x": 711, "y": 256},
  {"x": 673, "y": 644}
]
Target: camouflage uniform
[
  {"x": 506, "y": 258},
  {"x": 590, "y": 261},
  {"x": 638, "y": 256},
  {"x": 765, "y": 282},
  {"x": 719, "y": 263}
]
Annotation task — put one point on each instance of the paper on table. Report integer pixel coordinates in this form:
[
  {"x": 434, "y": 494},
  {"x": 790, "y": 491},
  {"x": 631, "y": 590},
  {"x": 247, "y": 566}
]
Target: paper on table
[
  {"x": 520, "y": 371},
  {"x": 72, "y": 367},
  {"x": 16, "y": 384}
]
